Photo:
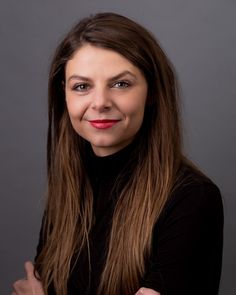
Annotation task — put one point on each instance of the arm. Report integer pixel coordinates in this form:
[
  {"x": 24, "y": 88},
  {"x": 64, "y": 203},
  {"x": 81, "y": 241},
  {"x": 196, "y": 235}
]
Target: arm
[{"x": 187, "y": 243}]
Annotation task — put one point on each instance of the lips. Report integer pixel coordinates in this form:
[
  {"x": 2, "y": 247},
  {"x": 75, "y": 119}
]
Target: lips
[{"x": 104, "y": 123}]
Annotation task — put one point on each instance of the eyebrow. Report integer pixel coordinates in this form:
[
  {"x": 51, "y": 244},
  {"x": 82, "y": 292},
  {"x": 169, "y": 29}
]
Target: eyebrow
[{"x": 118, "y": 76}]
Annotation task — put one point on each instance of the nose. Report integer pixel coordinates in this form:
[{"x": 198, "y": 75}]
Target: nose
[{"x": 101, "y": 100}]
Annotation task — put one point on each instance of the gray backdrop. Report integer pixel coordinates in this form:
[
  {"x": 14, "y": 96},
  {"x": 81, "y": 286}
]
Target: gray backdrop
[{"x": 198, "y": 36}]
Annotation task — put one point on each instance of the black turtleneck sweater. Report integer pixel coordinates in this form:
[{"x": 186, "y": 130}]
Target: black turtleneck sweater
[{"x": 187, "y": 238}]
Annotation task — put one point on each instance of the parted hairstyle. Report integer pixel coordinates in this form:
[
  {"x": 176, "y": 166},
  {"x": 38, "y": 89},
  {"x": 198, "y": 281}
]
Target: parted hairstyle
[{"x": 69, "y": 208}]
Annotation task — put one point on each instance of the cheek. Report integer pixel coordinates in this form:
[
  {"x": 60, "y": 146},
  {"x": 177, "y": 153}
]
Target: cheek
[
  {"x": 75, "y": 109},
  {"x": 134, "y": 110},
  {"x": 134, "y": 104},
  {"x": 76, "y": 122}
]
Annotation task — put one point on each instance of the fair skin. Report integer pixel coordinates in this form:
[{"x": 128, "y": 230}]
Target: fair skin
[
  {"x": 30, "y": 285},
  {"x": 105, "y": 96}
]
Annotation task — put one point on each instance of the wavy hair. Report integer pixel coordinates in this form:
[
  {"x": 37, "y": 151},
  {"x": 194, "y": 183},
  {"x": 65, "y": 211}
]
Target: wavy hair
[{"x": 69, "y": 208}]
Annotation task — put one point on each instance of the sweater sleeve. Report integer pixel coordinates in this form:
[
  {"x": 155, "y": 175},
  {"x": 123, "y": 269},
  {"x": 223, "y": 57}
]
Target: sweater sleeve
[{"x": 187, "y": 243}]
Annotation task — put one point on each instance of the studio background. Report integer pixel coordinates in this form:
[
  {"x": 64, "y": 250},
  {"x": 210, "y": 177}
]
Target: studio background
[{"x": 198, "y": 36}]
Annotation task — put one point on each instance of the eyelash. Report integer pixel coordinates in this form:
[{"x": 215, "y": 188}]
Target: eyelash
[
  {"x": 85, "y": 86},
  {"x": 77, "y": 86},
  {"x": 125, "y": 84}
]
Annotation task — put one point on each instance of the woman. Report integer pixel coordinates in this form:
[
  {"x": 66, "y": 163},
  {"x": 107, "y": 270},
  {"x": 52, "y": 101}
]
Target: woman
[{"x": 126, "y": 212}]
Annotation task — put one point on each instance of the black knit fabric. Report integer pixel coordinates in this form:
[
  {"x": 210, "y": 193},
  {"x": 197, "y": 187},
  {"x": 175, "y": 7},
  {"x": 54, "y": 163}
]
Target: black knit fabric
[{"x": 187, "y": 239}]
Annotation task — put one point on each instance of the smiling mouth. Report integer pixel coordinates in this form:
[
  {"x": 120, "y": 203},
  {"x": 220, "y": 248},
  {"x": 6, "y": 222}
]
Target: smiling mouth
[{"x": 103, "y": 124}]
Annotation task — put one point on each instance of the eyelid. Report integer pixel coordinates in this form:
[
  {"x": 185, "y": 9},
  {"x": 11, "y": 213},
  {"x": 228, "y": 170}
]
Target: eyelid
[
  {"x": 87, "y": 86},
  {"x": 76, "y": 86},
  {"x": 128, "y": 83}
]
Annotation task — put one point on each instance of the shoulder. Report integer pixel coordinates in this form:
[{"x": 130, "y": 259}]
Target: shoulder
[
  {"x": 192, "y": 185},
  {"x": 187, "y": 240},
  {"x": 194, "y": 195}
]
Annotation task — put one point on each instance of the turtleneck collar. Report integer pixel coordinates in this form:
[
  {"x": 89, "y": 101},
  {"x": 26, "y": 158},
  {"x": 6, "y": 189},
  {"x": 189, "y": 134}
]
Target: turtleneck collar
[{"x": 110, "y": 165}]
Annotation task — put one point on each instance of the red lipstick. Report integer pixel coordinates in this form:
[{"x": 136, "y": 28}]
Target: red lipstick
[{"x": 103, "y": 124}]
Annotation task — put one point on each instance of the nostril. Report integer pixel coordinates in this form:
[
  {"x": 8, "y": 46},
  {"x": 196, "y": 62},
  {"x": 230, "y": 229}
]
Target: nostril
[{"x": 101, "y": 104}]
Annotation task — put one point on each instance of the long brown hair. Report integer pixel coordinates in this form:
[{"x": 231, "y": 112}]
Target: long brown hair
[{"x": 68, "y": 214}]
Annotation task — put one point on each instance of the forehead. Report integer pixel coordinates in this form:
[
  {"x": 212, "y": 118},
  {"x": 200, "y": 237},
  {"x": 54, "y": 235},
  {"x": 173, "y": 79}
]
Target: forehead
[{"x": 91, "y": 59}]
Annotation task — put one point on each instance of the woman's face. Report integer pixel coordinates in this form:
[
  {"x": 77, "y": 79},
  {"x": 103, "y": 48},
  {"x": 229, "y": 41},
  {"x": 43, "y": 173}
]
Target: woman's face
[{"x": 105, "y": 96}]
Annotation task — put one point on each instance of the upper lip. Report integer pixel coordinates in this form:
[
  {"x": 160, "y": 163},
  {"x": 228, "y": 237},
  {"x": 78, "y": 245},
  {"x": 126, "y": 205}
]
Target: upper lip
[{"x": 104, "y": 120}]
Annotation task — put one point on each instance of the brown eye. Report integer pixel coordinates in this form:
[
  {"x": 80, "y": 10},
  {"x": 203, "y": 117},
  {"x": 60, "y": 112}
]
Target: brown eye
[{"x": 81, "y": 87}]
